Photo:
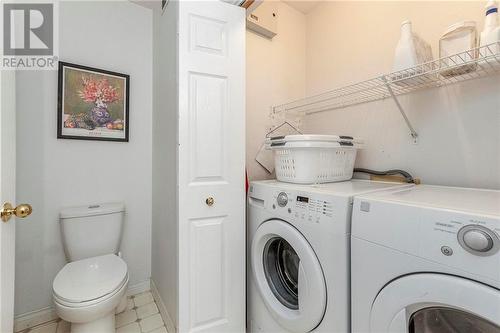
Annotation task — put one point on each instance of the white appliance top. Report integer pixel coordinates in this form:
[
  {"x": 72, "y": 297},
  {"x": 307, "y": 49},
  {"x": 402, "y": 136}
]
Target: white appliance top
[
  {"x": 346, "y": 189},
  {"x": 467, "y": 200}
]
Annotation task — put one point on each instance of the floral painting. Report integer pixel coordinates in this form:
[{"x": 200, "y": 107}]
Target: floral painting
[{"x": 93, "y": 104}]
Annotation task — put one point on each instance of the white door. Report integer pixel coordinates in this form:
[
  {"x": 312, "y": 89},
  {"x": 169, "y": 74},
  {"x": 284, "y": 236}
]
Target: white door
[
  {"x": 289, "y": 276},
  {"x": 430, "y": 302},
  {"x": 211, "y": 167}
]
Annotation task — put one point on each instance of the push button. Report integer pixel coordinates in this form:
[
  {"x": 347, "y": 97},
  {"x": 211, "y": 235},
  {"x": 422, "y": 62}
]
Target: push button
[{"x": 446, "y": 250}]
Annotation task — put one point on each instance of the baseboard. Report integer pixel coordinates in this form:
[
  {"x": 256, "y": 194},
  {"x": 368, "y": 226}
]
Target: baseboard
[
  {"x": 169, "y": 324},
  {"x": 34, "y": 318},
  {"x": 139, "y": 287}
]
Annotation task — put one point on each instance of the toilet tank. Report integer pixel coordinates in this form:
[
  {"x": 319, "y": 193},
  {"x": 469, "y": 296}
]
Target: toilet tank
[{"x": 91, "y": 231}]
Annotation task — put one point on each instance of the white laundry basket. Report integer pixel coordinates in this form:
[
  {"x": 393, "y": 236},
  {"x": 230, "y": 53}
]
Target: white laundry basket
[{"x": 314, "y": 159}]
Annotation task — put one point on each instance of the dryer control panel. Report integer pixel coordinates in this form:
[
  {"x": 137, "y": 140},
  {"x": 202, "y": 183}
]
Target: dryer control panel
[{"x": 456, "y": 239}]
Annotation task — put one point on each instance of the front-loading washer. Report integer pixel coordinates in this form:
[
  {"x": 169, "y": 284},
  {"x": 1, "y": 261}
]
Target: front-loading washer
[
  {"x": 298, "y": 249},
  {"x": 426, "y": 260}
]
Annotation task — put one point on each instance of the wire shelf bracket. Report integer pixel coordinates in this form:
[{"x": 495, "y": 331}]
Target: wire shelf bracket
[{"x": 413, "y": 133}]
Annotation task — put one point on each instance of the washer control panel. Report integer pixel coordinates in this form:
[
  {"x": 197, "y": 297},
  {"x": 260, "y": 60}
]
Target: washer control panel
[{"x": 305, "y": 207}]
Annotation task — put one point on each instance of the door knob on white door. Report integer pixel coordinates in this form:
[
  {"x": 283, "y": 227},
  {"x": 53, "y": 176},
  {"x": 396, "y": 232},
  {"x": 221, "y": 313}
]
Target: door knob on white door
[
  {"x": 210, "y": 201},
  {"x": 20, "y": 211}
]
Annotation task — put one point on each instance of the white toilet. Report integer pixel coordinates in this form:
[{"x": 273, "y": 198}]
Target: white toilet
[{"x": 90, "y": 289}]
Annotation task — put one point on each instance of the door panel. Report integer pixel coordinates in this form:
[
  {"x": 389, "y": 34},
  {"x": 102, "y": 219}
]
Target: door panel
[
  {"x": 7, "y": 194},
  {"x": 207, "y": 107},
  {"x": 209, "y": 297},
  {"x": 211, "y": 165},
  {"x": 209, "y": 35}
]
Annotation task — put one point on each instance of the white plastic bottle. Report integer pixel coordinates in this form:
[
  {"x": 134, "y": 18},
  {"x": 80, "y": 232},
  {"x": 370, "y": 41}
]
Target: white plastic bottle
[
  {"x": 410, "y": 51},
  {"x": 406, "y": 54},
  {"x": 491, "y": 32}
]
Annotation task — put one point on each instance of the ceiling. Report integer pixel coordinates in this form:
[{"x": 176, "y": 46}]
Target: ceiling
[{"x": 304, "y": 6}]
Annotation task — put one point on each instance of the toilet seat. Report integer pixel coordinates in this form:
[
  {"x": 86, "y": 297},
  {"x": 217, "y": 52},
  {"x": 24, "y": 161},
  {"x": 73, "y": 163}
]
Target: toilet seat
[
  {"x": 90, "y": 281},
  {"x": 77, "y": 305}
]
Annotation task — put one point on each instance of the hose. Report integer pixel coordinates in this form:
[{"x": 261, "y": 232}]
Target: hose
[{"x": 408, "y": 178}]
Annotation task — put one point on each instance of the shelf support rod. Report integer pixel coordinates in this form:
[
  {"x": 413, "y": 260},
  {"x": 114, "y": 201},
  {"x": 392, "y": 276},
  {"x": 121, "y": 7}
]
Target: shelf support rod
[{"x": 413, "y": 133}]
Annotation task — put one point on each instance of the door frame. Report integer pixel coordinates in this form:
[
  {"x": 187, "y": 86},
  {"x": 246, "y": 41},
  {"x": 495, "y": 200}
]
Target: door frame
[{"x": 7, "y": 194}]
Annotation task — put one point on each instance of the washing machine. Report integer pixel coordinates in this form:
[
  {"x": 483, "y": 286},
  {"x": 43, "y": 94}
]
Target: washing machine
[
  {"x": 298, "y": 248},
  {"x": 426, "y": 260}
]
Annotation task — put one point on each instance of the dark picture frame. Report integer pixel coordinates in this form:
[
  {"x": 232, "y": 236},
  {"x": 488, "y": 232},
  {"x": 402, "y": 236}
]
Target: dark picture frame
[{"x": 92, "y": 103}]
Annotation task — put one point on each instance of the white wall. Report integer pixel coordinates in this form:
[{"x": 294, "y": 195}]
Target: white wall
[
  {"x": 56, "y": 173},
  {"x": 459, "y": 143},
  {"x": 165, "y": 212},
  {"x": 275, "y": 74}
]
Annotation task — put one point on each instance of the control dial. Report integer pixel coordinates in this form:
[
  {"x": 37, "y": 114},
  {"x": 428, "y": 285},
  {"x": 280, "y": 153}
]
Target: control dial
[
  {"x": 282, "y": 199},
  {"x": 478, "y": 240}
]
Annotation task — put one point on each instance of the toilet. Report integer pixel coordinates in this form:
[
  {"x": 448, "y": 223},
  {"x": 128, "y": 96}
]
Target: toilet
[{"x": 91, "y": 288}]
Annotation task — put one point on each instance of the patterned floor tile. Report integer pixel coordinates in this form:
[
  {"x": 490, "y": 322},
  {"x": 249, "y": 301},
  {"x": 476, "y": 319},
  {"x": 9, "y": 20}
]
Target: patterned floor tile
[
  {"x": 143, "y": 299},
  {"x": 140, "y": 316},
  {"x": 146, "y": 310},
  {"x": 160, "y": 330},
  {"x": 130, "y": 328},
  {"x": 63, "y": 327},
  {"x": 151, "y": 323},
  {"x": 130, "y": 304},
  {"x": 125, "y": 318}
]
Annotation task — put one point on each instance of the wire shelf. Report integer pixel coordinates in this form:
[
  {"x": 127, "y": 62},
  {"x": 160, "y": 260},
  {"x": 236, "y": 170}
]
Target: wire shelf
[{"x": 475, "y": 63}]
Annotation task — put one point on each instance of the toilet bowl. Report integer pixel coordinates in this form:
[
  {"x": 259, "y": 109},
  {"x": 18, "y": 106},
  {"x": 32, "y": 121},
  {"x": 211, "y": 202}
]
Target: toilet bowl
[
  {"x": 87, "y": 292},
  {"x": 90, "y": 289}
]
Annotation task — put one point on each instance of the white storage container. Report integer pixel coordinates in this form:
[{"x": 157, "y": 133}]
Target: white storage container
[
  {"x": 314, "y": 159},
  {"x": 459, "y": 37}
]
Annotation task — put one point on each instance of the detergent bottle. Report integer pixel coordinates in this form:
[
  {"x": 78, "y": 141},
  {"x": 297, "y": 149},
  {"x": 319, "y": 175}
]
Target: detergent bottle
[{"x": 491, "y": 32}]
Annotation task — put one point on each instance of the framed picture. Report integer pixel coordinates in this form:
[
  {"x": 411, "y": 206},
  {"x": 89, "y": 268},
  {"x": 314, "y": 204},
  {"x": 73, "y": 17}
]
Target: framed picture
[{"x": 92, "y": 104}]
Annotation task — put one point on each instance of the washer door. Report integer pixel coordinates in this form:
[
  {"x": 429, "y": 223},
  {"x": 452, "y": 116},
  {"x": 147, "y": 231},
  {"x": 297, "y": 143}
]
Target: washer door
[
  {"x": 288, "y": 276},
  {"x": 436, "y": 303}
]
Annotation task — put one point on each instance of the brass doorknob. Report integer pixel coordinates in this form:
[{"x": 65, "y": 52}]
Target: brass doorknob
[
  {"x": 210, "y": 201},
  {"x": 20, "y": 211}
]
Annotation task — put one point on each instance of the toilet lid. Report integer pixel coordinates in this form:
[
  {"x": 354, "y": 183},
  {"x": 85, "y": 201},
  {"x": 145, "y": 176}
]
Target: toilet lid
[{"x": 91, "y": 278}]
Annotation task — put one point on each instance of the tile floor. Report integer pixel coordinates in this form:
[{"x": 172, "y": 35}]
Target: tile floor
[{"x": 140, "y": 316}]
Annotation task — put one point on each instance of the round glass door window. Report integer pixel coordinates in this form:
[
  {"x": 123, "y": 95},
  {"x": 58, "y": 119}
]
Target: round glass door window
[
  {"x": 448, "y": 320},
  {"x": 288, "y": 276},
  {"x": 281, "y": 268}
]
